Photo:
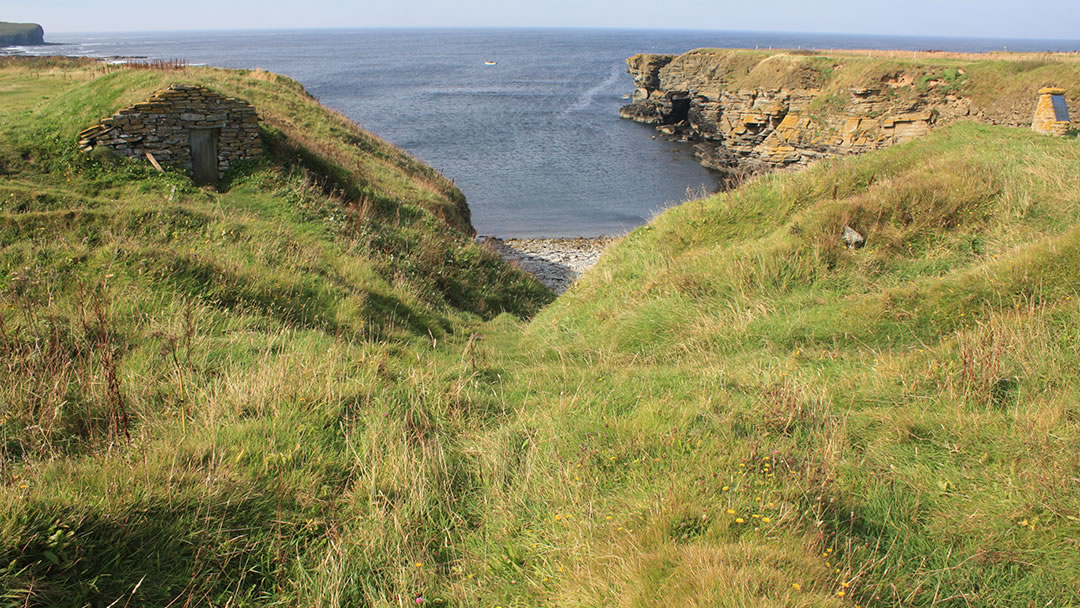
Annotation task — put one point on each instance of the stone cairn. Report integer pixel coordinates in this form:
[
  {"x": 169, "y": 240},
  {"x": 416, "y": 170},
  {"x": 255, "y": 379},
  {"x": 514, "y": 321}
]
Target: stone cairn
[
  {"x": 160, "y": 127},
  {"x": 1051, "y": 113}
]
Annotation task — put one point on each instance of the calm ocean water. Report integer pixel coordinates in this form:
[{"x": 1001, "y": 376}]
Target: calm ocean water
[{"x": 535, "y": 141}]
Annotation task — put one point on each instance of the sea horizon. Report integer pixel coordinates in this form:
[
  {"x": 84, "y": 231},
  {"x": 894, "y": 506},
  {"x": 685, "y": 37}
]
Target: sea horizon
[{"x": 1059, "y": 43}]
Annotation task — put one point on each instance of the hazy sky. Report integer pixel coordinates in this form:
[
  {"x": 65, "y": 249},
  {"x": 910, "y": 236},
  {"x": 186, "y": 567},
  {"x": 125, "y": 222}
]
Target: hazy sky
[{"x": 978, "y": 18}]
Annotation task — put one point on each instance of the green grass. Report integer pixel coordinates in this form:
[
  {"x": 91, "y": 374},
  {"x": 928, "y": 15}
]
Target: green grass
[
  {"x": 915, "y": 394},
  {"x": 266, "y": 397},
  {"x": 138, "y": 314}
]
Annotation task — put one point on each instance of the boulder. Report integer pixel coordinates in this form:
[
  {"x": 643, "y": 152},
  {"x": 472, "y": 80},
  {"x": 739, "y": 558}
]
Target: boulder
[{"x": 852, "y": 238}]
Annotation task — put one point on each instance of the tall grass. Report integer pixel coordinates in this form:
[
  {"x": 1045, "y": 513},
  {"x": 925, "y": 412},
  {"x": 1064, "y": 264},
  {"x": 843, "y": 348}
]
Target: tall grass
[{"x": 312, "y": 388}]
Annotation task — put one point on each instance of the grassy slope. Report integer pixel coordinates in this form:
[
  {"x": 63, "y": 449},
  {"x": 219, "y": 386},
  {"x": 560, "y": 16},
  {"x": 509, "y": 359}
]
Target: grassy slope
[
  {"x": 731, "y": 410},
  {"x": 905, "y": 415},
  {"x": 236, "y": 336}
]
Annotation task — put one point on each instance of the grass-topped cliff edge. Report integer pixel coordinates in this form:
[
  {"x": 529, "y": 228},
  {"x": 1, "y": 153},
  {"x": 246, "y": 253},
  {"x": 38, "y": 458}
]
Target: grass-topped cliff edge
[
  {"x": 998, "y": 88},
  {"x": 13, "y": 34},
  {"x": 299, "y": 391}
]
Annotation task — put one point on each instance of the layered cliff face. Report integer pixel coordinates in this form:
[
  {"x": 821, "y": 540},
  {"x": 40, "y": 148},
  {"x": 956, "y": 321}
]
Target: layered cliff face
[
  {"x": 19, "y": 34},
  {"x": 755, "y": 110}
]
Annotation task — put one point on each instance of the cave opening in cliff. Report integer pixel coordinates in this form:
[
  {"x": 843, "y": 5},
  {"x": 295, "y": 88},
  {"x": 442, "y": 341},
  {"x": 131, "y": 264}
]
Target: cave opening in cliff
[{"x": 680, "y": 109}]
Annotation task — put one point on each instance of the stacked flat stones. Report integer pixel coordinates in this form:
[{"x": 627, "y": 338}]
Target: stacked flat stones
[
  {"x": 161, "y": 126},
  {"x": 1051, "y": 113}
]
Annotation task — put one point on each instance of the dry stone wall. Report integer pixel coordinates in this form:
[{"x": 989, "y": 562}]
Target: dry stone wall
[{"x": 162, "y": 126}]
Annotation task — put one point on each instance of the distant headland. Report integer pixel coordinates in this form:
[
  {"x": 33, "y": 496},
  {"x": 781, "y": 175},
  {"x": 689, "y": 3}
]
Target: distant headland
[{"x": 18, "y": 34}]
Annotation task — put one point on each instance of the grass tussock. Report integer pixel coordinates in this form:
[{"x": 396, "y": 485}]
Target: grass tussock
[{"x": 312, "y": 388}]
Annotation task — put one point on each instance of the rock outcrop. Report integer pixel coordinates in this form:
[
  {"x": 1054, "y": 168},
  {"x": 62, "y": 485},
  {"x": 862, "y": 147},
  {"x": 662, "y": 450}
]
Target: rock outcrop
[
  {"x": 752, "y": 110},
  {"x": 21, "y": 34}
]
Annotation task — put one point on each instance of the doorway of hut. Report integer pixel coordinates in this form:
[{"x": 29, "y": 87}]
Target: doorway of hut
[{"x": 204, "y": 155}]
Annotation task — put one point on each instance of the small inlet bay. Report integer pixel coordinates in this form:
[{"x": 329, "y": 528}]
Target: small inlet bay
[{"x": 524, "y": 121}]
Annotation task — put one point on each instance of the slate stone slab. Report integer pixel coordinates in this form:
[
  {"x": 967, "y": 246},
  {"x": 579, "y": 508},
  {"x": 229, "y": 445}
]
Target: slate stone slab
[{"x": 1061, "y": 111}]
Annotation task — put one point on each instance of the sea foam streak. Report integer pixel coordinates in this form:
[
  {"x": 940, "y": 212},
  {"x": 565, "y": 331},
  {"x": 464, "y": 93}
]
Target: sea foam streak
[{"x": 587, "y": 97}]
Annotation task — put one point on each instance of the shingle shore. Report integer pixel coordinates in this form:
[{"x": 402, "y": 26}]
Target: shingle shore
[{"x": 555, "y": 262}]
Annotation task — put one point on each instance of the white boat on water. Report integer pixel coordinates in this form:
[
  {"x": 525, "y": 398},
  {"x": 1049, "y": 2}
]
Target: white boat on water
[{"x": 491, "y": 63}]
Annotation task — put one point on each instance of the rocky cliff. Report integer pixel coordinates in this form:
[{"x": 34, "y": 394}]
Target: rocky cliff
[
  {"x": 753, "y": 110},
  {"x": 18, "y": 34}
]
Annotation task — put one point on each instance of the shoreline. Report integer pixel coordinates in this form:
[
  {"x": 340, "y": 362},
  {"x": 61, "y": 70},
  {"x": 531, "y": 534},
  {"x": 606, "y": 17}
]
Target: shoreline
[{"x": 557, "y": 262}]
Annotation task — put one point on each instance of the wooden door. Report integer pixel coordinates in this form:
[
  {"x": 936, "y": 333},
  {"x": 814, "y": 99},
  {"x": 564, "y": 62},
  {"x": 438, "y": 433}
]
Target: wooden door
[{"x": 204, "y": 156}]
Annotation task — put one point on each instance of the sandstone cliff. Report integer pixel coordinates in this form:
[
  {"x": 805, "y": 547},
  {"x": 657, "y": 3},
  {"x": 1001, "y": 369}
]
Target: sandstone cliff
[
  {"x": 751, "y": 110},
  {"x": 17, "y": 34}
]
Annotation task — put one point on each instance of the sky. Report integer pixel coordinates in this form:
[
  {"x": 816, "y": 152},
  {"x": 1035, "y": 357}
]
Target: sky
[{"x": 1055, "y": 19}]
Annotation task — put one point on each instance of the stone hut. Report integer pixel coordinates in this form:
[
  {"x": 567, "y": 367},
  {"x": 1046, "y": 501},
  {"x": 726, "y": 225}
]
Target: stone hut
[
  {"x": 1051, "y": 113},
  {"x": 182, "y": 126}
]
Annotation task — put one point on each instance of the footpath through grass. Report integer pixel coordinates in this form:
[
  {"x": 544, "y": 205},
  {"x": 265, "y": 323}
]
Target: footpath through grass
[{"x": 266, "y": 396}]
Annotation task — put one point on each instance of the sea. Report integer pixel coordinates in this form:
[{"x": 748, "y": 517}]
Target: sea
[{"x": 525, "y": 121}]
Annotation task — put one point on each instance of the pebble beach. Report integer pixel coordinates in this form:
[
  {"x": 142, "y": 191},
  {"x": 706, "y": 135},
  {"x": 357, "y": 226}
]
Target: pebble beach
[{"x": 555, "y": 262}]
